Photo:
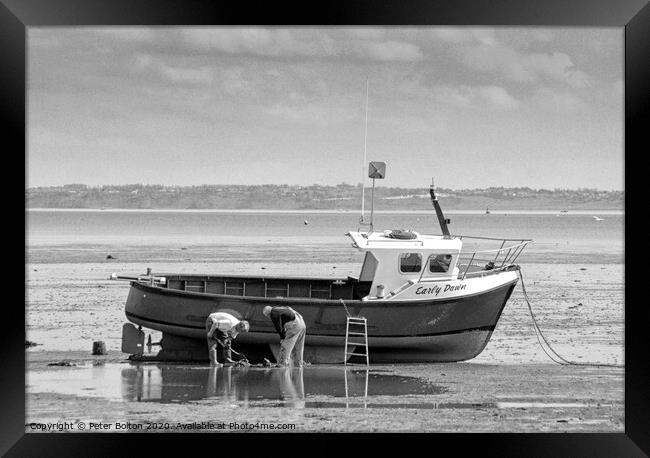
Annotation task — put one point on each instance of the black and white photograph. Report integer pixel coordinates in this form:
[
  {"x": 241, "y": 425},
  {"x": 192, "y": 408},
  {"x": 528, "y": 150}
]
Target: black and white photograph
[{"x": 303, "y": 229}]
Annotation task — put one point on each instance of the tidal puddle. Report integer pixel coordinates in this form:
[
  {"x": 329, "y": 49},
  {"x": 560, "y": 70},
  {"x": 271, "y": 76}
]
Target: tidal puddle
[
  {"x": 259, "y": 387},
  {"x": 357, "y": 402}
]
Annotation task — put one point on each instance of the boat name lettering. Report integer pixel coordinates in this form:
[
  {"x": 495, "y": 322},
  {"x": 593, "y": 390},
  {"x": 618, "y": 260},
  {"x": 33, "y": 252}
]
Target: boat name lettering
[{"x": 435, "y": 290}]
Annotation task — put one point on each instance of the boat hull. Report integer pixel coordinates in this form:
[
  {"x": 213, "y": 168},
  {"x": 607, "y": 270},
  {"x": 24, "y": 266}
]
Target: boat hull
[{"x": 426, "y": 330}]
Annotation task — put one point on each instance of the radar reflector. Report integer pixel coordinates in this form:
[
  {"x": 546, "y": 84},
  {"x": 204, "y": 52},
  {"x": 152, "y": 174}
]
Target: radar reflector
[{"x": 377, "y": 170}]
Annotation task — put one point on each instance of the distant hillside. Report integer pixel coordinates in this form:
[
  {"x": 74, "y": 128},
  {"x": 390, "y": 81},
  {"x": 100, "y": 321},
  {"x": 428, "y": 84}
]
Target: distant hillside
[{"x": 315, "y": 197}]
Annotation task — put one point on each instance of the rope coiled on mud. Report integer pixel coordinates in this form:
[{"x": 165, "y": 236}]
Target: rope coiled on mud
[{"x": 538, "y": 333}]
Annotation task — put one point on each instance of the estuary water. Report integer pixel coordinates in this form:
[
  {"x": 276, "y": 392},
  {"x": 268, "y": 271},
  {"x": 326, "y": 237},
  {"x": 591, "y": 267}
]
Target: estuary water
[{"x": 53, "y": 235}]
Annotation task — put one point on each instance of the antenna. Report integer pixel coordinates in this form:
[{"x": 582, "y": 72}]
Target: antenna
[{"x": 365, "y": 145}]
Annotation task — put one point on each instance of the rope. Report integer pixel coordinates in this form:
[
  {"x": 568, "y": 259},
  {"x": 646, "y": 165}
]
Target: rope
[
  {"x": 347, "y": 312},
  {"x": 538, "y": 333}
]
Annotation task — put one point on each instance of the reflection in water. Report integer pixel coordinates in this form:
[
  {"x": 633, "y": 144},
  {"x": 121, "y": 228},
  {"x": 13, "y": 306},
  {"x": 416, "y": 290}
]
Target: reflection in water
[
  {"x": 220, "y": 384},
  {"x": 290, "y": 386},
  {"x": 349, "y": 394},
  {"x": 292, "y": 393}
]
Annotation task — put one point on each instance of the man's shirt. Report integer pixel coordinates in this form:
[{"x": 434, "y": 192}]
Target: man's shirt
[
  {"x": 280, "y": 316},
  {"x": 224, "y": 322}
]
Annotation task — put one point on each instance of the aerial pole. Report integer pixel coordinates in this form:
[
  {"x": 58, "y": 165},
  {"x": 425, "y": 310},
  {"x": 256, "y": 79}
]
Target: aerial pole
[
  {"x": 363, "y": 166},
  {"x": 372, "y": 205}
]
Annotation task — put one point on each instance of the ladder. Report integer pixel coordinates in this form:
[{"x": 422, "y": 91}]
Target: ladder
[{"x": 359, "y": 326}]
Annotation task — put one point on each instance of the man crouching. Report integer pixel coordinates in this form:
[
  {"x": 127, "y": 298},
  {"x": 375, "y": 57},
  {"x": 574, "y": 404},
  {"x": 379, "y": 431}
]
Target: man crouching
[{"x": 222, "y": 328}]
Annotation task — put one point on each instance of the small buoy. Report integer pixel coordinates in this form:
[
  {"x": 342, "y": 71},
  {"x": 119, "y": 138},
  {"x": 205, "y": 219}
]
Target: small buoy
[
  {"x": 99, "y": 348},
  {"x": 306, "y": 222}
]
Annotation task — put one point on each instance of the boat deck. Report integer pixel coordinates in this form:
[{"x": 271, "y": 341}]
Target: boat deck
[{"x": 268, "y": 287}]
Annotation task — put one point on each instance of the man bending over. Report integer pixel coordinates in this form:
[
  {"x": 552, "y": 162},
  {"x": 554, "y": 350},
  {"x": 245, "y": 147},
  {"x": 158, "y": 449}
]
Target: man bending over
[
  {"x": 291, "y": 327},
  {"x": 222, "y": 328}
]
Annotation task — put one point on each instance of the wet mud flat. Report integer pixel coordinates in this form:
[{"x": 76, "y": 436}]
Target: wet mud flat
[{"x": 451, "y": 397}]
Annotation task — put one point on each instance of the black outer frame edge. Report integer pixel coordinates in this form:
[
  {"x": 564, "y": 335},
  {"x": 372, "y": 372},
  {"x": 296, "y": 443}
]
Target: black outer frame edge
[
  {"x": 350, "y": 12},
  {"x": 637, "y": 120},
  {"x": 597, "y": 13}
]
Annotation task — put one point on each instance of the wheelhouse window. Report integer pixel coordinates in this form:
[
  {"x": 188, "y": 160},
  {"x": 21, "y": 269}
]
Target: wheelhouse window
[
  {"x": 440, "y": 263},
  {"x": 410, "y": 262}
]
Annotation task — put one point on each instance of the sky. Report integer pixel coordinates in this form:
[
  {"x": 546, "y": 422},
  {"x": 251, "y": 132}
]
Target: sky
[{"x": 470, "y": 107}]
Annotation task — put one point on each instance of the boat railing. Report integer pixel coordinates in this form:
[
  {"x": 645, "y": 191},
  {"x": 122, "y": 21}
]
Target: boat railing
[
  {"x": 145, "y": 279},
  {"x": 478, "y": 262},
  {"x": 484, "y": 262}
]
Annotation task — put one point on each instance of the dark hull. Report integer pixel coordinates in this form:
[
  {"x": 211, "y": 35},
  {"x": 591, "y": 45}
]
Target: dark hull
[{"x": 398, "y": 331}]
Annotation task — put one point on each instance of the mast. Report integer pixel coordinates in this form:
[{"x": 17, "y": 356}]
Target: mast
[
  {"x": 363, "y": 166},
  {"x": 441, "y": 217}
]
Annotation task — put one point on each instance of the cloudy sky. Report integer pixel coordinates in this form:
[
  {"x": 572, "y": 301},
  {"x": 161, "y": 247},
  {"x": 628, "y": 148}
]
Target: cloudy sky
[{"x": 472, "y": 107}]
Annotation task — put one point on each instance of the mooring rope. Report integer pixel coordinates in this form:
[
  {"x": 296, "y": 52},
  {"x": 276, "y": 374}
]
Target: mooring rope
[
  {"x": 538, "y": 334},
  {"x": 347, "y": 312}
]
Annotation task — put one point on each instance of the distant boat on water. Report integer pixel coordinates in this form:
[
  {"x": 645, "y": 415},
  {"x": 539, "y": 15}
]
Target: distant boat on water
[
  {"x": 487, "y": 210},
  {"x": 597, "y": 218}
]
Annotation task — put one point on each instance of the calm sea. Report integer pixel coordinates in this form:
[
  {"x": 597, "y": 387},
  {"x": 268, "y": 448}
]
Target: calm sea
[
  {"x": 563, "y": 234},
  {"x": 62, "y": 226}
]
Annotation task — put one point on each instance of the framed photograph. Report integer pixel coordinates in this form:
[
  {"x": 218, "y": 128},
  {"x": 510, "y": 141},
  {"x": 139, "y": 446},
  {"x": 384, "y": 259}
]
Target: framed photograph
[{"x": 368, "y": 218}]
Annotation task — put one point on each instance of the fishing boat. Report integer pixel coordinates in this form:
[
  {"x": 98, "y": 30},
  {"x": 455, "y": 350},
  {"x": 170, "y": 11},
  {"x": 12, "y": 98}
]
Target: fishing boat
[{"x": 425, "y": 299}]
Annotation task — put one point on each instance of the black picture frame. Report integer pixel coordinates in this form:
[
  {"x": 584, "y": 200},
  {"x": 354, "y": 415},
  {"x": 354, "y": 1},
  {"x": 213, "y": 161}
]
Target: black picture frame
[{"x": 633, "y": 15}]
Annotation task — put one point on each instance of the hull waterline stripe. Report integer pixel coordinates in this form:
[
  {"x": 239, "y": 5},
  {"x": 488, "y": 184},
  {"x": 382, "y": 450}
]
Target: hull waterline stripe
[{"x": 186, "y": 326}]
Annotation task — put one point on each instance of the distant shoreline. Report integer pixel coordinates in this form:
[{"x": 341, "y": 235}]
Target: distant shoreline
[
  {"x": 312, "y": 211},
  {"x": 337, "y": 199}
]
